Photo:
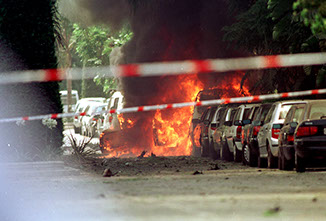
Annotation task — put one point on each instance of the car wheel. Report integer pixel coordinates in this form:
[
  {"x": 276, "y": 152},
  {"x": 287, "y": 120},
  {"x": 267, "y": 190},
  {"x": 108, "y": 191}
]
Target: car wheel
[
  {"x": 248, "y": 156},
  {"x": 195, "y": 151},
  {"x": 204, "y": 150},
  {"x": 225, "y": 152},
  {"x": 212, "y": 153},
  {"x": 287, "y": 164},
  {"x": 280, "y": 160},
  {"x": 271, "y": 160},
  {"x": 299, "y": 164},
  {"x": 262, "y": 162},
  {"x": 237, "y": 155}
]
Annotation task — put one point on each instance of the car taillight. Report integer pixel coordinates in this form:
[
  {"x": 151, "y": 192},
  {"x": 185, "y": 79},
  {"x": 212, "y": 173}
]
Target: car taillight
[
  {"x": 275, "y": 133},
  {"x": 290, "y": 138},
  {"x": 242, "y": 136},
  {"x": 94, "y": 119},
  {"x": 255, "y": 131},
  {"x": 76, "y": 117},
  {"x": 239, "y": 129},
  {"x": 213, "y": 128},
  {"x": 306, "y": 131}
]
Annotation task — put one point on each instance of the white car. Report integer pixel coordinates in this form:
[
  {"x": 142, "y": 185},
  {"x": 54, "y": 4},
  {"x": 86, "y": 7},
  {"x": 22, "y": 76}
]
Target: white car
[
  {"x": 268, "y": 134},
  {"x": 64, "y": 100},
  {"x": 233, "y": 133},
  {"x": 87, "y": 120},
  {"x": 111, "y": 121},
  {"x": 80, "y": 108}
]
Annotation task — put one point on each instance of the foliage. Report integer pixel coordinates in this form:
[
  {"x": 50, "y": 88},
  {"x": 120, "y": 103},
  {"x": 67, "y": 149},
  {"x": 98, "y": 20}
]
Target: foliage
[
  {"x": 312, "y": 13},
  {"x": 268, "y": 27},
  {"x": 91, "y": 47},
  {"x": 80, "y": 150}
]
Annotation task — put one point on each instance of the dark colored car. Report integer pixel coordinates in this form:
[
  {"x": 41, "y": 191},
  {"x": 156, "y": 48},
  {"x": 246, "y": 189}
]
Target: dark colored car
[
  {"x": 286, "y": 137},
  {"x": 310, "y": 135},
  {"x": 245, "y": 134},
  {"x": 203, "y": 127},
  {"x": 251, "y": 149}
]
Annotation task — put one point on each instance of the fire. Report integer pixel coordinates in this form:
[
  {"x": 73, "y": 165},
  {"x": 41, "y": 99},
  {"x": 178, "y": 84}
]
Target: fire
[{"x": 167, "y": 131}]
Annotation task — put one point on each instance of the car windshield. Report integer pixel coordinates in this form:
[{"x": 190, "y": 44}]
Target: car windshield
[{"x": 318, "y": 111}]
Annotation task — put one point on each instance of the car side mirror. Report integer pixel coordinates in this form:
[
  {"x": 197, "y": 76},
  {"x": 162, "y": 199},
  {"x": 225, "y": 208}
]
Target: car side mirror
[
  {"x": 293, "y": 124},
  {"x": 245, "y": 122},
  {"x": 228, "y": 123}
]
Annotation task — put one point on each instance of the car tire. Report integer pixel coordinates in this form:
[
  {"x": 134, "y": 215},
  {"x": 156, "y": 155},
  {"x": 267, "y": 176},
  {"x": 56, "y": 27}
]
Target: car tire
[
  {"x": 212, "y": 153},
  {"x": 287, "y": 164},
  {"x": 249, "y": 157},
  {"x": 262, "y": 162},
  {"x": 280, "y": 160},
  {"x": 237, "y": 154},
  {"x": 300, "y": 166},
  {"x": 204, "y": 150},
  {"x": 195, "y": 152},
  {"x": 225, "y": 152},
  {"x": 271, "y": 160}
]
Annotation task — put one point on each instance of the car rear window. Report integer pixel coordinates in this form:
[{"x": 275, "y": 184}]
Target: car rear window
[
  {"x": 317, "y": 111},
  {"x": 284, "y": 110}
]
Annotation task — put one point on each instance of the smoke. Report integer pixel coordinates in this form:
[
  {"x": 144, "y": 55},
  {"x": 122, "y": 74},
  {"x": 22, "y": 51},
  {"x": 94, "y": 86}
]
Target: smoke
[{"x": 164, "y": 30}]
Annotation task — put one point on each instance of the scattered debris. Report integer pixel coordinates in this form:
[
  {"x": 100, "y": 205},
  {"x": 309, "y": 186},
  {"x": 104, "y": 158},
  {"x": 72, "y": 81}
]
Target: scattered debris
[
  {"x": 102, "y": 195},
  {"x": 314, "y": 199},
  {"x": 142, "y": 154},
  {"x": 259, "y": 170},
  {"x": 273, "y": 211},
  {"x": 226, "y": 178},
  {"x": 177, "y": 171},
  {"x": 197, "y": 172},
  {"x": 153, "y": 155},
  {"x": 128, "y": 164},
  {"x": 108, "y": 173},
  {"x": 215, "y": 167}
]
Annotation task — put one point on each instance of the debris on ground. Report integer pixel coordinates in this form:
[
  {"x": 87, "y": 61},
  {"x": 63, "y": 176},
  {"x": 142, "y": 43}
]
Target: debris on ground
[
  {"x": 150, "y": 165},
  {"x": 142, "y": 154},
  {"x": 197, "y": 172},
  {"x": 215, "y": 167},
  {"x": 108, "y": 173},
  {"x": 273, "y": 211}
]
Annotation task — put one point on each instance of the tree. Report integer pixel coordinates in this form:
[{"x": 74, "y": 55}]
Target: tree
[
  {"x": 91, "y": 47},
  {"x": 268, "y": 27}
]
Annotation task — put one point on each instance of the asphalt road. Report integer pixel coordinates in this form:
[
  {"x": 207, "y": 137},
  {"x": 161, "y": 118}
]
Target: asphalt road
[{"x": 52, "y": 191}]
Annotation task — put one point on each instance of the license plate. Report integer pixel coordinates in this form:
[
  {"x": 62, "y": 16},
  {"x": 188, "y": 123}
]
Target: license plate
[{"x": 325, "y": 131}]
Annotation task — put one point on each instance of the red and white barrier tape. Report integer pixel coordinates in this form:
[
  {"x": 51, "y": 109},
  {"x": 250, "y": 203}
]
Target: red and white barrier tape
[
  {"x": 166, "y": 68},
  {"x": 176, "y": 105}
]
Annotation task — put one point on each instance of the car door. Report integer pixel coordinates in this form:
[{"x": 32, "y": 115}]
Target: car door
[{"x": 265, "y": 129}]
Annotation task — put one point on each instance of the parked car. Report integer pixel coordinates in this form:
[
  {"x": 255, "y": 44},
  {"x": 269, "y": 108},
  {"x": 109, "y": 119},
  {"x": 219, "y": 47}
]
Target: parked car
[
  {"x": 80, "y": 108},
  {"x": 64, "y": 100},
  {"x": 233, "y": 132},
  {"x": 251, "y": 150},
  {"x": 217, "y": 136},
  {"x": 220, "y": 133},
  {"x": 204, "y": 128},
  {"x": 286, "y": 137},
  {"x": 310, "y": 135},
  {"x": 95, "y": 119},
  {"x": 86, "y": 120},
  {"x": 197, "y": 114},
  {"x": 247, "y": 155},
  {"x": 268, "y": 134},
  {"x": 111, "y": 121}
]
